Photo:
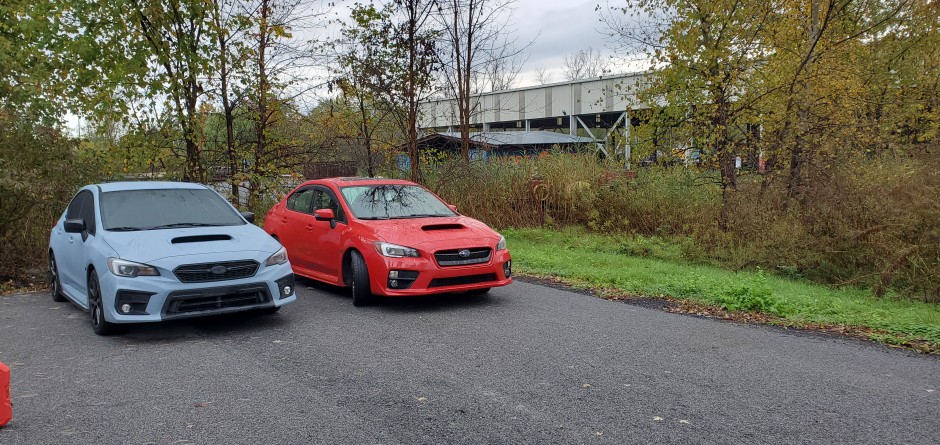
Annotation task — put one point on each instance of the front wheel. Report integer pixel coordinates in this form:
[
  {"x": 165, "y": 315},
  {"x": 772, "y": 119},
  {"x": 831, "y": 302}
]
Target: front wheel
[
  {"x": 54, "y": 283},
  {"x": 99, "y": 324},
  {"x": 361, "y": 293}
]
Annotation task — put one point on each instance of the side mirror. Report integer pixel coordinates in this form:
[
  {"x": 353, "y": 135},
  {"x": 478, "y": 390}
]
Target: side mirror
[
  {"x": 75, "y": 225},
  {"x": 453, "y": 207},
  {"x": 250, "y": 217},
  {"x": 324, "y": 215}
]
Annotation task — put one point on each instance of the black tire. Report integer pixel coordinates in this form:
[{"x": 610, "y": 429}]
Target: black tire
[
  {"x": 483, "y": 291},
  {"x": 359, "y": 282},
  {"x": 55, "y": 285},
  {"x": 99, "y": 324}
]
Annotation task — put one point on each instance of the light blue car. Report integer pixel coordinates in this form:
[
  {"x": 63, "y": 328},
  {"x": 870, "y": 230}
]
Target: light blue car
[{"x": 134, "y": 252}]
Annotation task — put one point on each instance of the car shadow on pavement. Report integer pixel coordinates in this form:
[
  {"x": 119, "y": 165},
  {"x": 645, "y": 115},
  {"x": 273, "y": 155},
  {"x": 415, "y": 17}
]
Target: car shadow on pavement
[
  {"x": 242, "y": 323},
  {"x": 426, "y": 303}
]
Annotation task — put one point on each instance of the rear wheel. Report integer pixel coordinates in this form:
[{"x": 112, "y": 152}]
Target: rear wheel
[
  {"x": 99, "y": 324},
  {"x": 54, "y": 284},
  {"x": 359, "y": 282}
]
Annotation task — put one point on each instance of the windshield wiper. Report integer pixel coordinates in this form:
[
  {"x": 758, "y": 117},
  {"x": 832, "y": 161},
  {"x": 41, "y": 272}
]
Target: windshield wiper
[
  {"x": 192, "y": 224},
  {"x": 374, "y": 217},
  {"x": 420, "y": 215},
  {"x": 126, "y": 229}
]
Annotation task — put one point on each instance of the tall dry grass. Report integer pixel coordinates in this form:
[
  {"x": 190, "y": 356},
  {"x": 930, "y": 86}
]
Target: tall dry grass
[{"x": 872, "y": 223}]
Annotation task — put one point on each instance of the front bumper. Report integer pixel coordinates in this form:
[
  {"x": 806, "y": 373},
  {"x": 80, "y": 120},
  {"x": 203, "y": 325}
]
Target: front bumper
[
  {"x": 153, "y": 299},
  {"x": 434, "y": 279}
]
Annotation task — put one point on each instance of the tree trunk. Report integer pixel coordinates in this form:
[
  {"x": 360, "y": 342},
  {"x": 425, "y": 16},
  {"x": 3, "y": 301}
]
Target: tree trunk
[
  {"x": 258, "y": 168},
  {"x": 799, "y": 156}
]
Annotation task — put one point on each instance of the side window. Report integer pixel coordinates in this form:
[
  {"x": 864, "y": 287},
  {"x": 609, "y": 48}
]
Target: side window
[
  {"x": 325, "y": 200},
  {"x": 300, "y": 201},
  {"x": 75, "y": 207},
  {"x": 88, "y": 211}
]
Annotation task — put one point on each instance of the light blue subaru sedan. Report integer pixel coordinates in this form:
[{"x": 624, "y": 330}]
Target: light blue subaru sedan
[{"x": 134, "y": 252}]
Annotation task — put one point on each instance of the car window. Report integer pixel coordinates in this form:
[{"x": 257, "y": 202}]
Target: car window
[
  {"x": 325, "y": 200},
  {"x": 74, "y": 209},
  {"x": 300, "y": 201},
  {"x": 88, "y": 212},
  {"x": 165, "y": 209},
  {"x": 393, "y": 201}
]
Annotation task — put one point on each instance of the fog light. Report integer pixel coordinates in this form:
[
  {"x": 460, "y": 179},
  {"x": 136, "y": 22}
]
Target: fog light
[
  {"x": 125, "y": 308},
  {"x": 287, "y": 290},
  {"x": 393, "y": 283},
  {"x": 393, "y": 274},
  {"x": 507, "y": 269}
]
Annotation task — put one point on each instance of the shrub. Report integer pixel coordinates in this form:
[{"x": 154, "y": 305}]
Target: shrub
[{"x": 40, "y": 171}]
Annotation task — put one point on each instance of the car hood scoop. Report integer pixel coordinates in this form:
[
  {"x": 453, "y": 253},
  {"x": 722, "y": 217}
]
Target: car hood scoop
[
  {"x": 200, "y": 238},
  {"x": 431, "y": 227}
]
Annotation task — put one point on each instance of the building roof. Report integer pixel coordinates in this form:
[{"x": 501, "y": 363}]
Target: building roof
[{"x": 520, "y": 138}]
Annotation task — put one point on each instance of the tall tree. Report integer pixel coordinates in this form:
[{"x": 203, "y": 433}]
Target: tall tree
[
  {"x": 395, "y": 60},
  {"x": 228, "y": 25},
  {"x": 705, "y": 56},
  {"x": 585, "y": 64},
  {"x": 477, "y": 39},
  {"x": 178, "y": 38}
]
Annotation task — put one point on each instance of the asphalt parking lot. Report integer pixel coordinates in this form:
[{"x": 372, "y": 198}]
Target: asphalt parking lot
[{"x": 524, "y": 364}]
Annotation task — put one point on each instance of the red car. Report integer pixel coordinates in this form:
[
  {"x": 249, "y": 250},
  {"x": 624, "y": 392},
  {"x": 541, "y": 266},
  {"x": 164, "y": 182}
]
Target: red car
[{"x": 386, "y": 237}]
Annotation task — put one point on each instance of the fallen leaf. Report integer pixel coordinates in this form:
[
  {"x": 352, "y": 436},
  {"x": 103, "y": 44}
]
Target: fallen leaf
[
  {"x": 684, "y": 421},
  {"x": 658, "y": 419}
]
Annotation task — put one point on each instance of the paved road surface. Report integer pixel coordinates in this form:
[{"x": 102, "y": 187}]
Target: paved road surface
[{"x": 526, "y": 364}]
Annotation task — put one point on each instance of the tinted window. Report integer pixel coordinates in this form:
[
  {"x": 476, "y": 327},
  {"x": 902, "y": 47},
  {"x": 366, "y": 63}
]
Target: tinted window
[
  {"x": 88, "y": 211},
  {"x": 165, "y": 208},
  {"x": 75, "y": 207},
  {"x": 325, "y": 200},
  {"x": 393, "y": 201},
  {"x": 300, "y": 201}
]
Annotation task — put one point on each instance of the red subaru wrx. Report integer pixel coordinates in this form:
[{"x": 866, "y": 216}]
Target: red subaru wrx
[{"x": 386, "y": 237}]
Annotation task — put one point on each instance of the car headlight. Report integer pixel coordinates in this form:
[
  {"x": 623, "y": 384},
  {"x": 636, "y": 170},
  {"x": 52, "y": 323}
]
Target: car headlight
[
  {"x": 501, "y": 245},
  {"x": 279, "y": 257},
  {"x": 395, "y": 251},
  {"x": 124, "y": 268}
]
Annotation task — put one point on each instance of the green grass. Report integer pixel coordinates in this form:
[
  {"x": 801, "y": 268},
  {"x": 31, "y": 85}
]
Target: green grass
[{"x": 654, "y": 268}]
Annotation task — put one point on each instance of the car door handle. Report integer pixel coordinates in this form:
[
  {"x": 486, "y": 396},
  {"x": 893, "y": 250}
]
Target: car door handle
[
  {"x": 310, "y": 227},
  {"x": 71, "y": 240},
  {"x": 284, "y": 219}
]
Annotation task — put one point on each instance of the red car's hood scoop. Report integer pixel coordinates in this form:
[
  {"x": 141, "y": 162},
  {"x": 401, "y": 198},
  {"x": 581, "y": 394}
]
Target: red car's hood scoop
[
  {"x": 434, "y": 233},
  {"x": 431, "y": 227}
]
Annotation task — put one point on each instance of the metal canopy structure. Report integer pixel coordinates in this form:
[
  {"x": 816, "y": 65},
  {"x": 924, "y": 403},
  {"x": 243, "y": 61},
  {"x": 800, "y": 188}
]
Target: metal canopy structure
[
  {"x": 484, "y": 144},
  {"x": 595, "y": 107}
]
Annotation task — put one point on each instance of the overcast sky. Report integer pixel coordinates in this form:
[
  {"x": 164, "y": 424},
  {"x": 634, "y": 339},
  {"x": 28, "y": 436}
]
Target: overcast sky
[
  {"x": 555, "y": 28},
  {"x": 558, "y": 28}
]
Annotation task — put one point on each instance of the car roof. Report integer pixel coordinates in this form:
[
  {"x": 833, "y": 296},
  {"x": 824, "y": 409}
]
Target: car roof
[
  {"x": 147, "y": 185},
  {"x": 353, "y": 181}
]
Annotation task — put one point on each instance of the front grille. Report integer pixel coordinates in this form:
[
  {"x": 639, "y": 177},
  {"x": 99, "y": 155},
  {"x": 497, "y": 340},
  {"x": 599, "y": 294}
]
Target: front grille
[
  {"x": 229, "y": 270},
  {"x": 475, "y": 255},
  {"x": 456, "y": 281},
  {"x": 216, "y": 299}
]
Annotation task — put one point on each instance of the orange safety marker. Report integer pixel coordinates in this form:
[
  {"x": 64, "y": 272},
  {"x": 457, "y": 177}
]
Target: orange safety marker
[{"x": 6, "y": 410}]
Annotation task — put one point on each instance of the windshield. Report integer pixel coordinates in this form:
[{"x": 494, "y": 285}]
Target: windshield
[
  {"x": 164, "y": 209},
  {"x": 393, "y": 202}
]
